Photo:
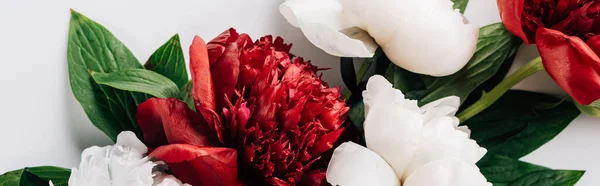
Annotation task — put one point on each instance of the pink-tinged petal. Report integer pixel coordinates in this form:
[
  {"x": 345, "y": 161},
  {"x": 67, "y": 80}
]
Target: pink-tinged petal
[
  {"x": 511, "y": 14},
  {"x": 226, "y": 70},
  {"x": 169, "y": 121},
  {"x": 200, "y": 166},
  {"x": 572, "y": 64},
  {"x": 202, "y": 90}
]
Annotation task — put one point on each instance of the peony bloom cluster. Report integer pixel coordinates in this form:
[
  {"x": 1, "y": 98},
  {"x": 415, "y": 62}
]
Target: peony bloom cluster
[
  {"x": 261, "y": 116},
  {"x": 567, "y": 37},
  {"x": 124, "y": 164},
  {"x": 414, "y": 34},
  {"x": 407, "y": 145}
]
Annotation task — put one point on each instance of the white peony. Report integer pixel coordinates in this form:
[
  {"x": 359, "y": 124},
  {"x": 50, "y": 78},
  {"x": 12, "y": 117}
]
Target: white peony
[
  {"x": 124, "y": 164},
  {"x": 407, "y": 144},
  {"x": 414, "y": 34}
]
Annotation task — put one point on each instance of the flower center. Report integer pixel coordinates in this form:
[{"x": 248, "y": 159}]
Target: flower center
[{"x": 579, "y": 18}]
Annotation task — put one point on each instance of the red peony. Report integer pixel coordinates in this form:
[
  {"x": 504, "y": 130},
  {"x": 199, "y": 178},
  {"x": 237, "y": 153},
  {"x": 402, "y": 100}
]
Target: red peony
[
  {"x": 567, "y": 36},
  {"x": 260, "y": 117}
]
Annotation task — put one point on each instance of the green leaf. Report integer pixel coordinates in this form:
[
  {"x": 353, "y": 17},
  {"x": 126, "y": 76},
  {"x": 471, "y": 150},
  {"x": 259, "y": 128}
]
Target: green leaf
[
  {"x": 36, "y": 176},
  {"x": 403, "y": 80},
  {"x": 357, "y": 114},
  {"x": 501, "y": 170},
  {"x": 495, "y": 45},
  {"x": 30, "y": 179},
  {"x": 168, "y": 60},
  {"x": 550, "y": 178},
  {"x": 349, "y": 74},
  {"x": 516, "y": 124},
  {"x": 460, "y": 5},
  {"x": 10, "y": 178},
  {"x": 92, "y": 47},
  {"x": 139, "y": 80},
  {"x": 186, "y": 94}
]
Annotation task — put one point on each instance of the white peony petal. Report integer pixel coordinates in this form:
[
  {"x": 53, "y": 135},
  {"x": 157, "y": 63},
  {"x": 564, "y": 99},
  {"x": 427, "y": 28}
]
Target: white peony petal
[
  {"x": 447, "y": 172},
  {"x": 422, "y": 36},
  {"x": 124, "y": 164},
  {"x": 392, "y": 124},
  {"x": 355, "y": 165},
  {"x": 442, "y": 140},
  {"x": 322, "y": 24},
  {"x": 161, "y": 179}
]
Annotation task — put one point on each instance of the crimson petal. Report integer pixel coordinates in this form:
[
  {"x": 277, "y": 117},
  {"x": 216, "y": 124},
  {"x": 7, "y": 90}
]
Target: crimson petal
[
  {"x": 200, "y": 166},
  {"x": 169, "y": 121},
  {"x": 571, "y": 63},
  {"x": 511, "y": 12}
]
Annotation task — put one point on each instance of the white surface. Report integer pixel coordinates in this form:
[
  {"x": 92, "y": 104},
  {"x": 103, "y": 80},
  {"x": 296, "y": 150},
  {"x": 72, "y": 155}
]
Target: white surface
[{"x": 42, "y": 124}]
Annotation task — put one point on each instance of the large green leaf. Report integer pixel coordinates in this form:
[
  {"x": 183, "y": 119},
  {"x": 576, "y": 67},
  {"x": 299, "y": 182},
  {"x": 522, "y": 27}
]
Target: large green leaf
[
  {"x": 516, "y": 124},
  {"x": 36, "y": 176},
  {"x": 168, "y": 60},
  {"x": 495, "y": 45},
  {"x": 501, "y": 170},
  {"x": 460, "y": 5},
  {"x": 92, "y": 47},
  {"x": 139, "y": 80}
]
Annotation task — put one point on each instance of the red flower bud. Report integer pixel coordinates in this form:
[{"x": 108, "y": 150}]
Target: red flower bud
[{"x": 565, "y": 32}]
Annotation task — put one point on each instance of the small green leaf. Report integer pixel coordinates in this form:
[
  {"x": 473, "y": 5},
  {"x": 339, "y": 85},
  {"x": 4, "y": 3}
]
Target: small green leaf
[
  {"x": 139, "y": 80},
  {"x": 460, "y": 5},
  {"x": 495, "y": 45},
  {"x": 11, "y": 178},
  {"x": 515, "y": 125},
  {"x": 168, "y": 60},
  {"x": 91, "y": 47},
  {"x": 349, "y": 74},
  {"x": 186, "y": 94},
  {"x": 36, "y": 176},
  {"x": 550, "y": 178}
]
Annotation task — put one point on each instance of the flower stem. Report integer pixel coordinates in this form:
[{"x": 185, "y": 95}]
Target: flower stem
[{"x": 487, "y": 99}]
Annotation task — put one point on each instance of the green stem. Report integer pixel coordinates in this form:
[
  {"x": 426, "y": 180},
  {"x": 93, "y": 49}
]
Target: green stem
[
  {"x": 362, "y": 71},
  {"x": 487, "y": 99}
]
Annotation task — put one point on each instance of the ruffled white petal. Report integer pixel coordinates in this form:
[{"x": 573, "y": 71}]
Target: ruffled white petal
[
  {"x": 409, "y": 137},
  {"x": 447, "y": 172},
  {"x": 161, "y": 179},
  {"x": 422, "y": 36},
  {"x": 391, "y": 121},
  {"x": 355, "y": 165},
  {"x": 124, "y": 164},
  {"x": 322, "y": 23}
]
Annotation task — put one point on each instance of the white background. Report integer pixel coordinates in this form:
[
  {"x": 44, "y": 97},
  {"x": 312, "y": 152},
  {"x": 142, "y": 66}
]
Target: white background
[{"x": 42, "y": 124}]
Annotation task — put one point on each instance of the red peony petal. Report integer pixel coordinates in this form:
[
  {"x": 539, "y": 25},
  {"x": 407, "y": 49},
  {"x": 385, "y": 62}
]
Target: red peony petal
[
  {"x": 170, "y": 121},
  {"x": 226, "y": 71},
  {"x": 510, "y": 12},
  {"x": 325, "y": 142},
  {"x": 200, "y": 166},
  {"x": 313, "y": 178},
  {"x": 202, "y": 90},
  {"x": 571, "y": 63}
]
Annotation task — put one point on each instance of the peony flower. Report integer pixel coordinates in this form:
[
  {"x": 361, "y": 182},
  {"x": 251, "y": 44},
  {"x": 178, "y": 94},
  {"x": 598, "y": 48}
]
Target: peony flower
[
  {"x": 407, "y": 145},
  {"x": 566, "y": 34},
  {"x": 123, "y": 164},
  {"x": 262, "y": 118},
  {"x": 414, "y": 34}
]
